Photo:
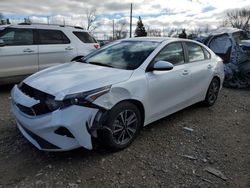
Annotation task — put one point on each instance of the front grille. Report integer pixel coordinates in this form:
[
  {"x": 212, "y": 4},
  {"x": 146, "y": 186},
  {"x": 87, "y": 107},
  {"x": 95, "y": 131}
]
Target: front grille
[{"x": 38, "y": 109}]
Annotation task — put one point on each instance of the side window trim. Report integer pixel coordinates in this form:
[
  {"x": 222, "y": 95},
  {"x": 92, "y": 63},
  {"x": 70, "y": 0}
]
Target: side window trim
[
  {"x": 35, "y": 32},
  {"x": 35, "y": 41},
  {"x": 152, "y": 61},
  {"x": 205, "y": 54},
  {"x": 186, "y": 58}
]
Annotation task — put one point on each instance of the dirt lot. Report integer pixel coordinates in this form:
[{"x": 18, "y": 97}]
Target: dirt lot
[{"x": 220, "y": 139}]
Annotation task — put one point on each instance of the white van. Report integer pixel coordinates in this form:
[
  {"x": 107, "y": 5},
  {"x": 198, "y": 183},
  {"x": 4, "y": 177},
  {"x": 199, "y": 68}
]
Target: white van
[{"x": 28, "y": 48}]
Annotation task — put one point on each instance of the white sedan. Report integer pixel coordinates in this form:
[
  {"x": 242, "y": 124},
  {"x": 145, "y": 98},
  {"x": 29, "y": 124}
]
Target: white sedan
[{"x": 113, "y": 92}]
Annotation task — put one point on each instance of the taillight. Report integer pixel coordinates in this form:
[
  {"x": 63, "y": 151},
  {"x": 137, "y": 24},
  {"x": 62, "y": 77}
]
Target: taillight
[{"x": 96, "y": 46}]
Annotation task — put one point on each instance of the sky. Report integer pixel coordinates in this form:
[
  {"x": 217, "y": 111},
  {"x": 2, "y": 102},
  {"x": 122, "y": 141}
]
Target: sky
[{"x": 160, "y": 14}]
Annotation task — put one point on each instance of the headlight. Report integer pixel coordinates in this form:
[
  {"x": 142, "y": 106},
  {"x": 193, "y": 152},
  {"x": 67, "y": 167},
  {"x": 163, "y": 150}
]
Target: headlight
[
  {"x": 53, "y": 104},
  {"x": 81, "y": 99}
]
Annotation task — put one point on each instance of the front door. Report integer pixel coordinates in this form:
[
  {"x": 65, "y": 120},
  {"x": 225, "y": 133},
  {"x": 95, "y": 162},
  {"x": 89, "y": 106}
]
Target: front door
[
  {"x": 19, "y": 55},
  {"x": 168, "y": 90}
]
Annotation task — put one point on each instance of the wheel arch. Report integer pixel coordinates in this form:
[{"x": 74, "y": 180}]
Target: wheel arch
[
  {"x": 138, "y": 104},
  {"x": 218, "y": 78}
]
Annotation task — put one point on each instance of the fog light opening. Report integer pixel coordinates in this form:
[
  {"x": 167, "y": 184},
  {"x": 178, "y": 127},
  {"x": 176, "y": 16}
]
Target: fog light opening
[{"x": 64, "y": 132}]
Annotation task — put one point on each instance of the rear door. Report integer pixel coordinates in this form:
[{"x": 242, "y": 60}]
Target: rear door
[
  {"x": 200, "y": 69},
  {"x": 19, "y": 56},
  {"x": 168, "y": 90},
  {"x": 54, "y": 48}
]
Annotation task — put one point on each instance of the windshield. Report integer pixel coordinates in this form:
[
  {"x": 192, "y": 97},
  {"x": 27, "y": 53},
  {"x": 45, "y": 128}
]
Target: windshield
[{"x": 127, "y": 55}]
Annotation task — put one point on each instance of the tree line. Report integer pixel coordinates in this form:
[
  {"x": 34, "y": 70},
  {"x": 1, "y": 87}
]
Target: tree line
[{"x": 238, "y": 18}]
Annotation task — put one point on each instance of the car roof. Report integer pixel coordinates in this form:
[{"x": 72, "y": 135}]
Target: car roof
[
  {"x": 152, "y": 39},
  {"x": 158, "y": 39},
  {"x": 223, "y": 30},
  {"x": 47, "y": 26}
]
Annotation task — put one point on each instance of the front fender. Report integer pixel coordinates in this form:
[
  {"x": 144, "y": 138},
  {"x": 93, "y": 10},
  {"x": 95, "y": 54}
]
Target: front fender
[
  {"x": 110, "y": 99},
  {"x": 133, "y": 89}
]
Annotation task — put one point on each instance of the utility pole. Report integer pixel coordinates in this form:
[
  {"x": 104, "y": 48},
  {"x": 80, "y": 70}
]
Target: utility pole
[
  {"x": 113, "y": 29},
  {"x": 130, "y": 33}
]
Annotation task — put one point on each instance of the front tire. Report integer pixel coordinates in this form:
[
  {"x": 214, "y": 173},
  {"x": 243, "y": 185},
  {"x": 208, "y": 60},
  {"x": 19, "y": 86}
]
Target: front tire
[
  {"x": 122, "y": 126},
  {"x": 212, "y": 92}
]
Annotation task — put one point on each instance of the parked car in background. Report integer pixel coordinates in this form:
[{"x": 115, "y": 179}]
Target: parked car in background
[
  {"x": 114, "y": 91},
  {"x": 233, "y": 46},
  {"x": 103, "y": 42},
  {"x": 28, "y": 48}
]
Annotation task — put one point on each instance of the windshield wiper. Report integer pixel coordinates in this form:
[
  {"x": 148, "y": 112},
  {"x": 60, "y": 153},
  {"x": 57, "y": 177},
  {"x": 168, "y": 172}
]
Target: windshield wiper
[{"x": 101, "y": 64}]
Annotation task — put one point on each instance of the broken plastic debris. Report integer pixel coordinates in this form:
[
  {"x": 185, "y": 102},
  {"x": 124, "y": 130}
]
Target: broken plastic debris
[
  {"x": 190, "y": 157},
  {"x": 188, "y": 129},
  {"x": 216, "y": 172}
]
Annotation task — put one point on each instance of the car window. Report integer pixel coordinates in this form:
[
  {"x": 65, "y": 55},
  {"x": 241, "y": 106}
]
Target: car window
[
  {"x": 127, "y": 55},
  {"x": 172, "y": 53},
  {"x": 195, "y": 52},
  {"x": 17, "y": 37},
  {"x": 46, "y": 36},
  {"x": 84, "y": 37}
]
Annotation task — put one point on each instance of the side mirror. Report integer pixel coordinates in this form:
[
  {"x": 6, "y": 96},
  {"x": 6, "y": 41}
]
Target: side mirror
[
  {"x": 162, "y": 66},
  {"x": 2, "y": 43}
]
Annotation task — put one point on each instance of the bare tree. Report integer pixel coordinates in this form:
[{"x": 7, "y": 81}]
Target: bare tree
[
  {"x": 153, "y": 32},
  {"x": 224, "y": 23},
  {"x": 121, "y": 29},
  {"x": 238, "y": 18},
  {"x": 91, "y": 19},
  {"x": 171, "y": 32}
]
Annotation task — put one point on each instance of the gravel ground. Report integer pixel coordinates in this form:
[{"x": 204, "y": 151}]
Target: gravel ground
[{"x": 163, "y": 155}]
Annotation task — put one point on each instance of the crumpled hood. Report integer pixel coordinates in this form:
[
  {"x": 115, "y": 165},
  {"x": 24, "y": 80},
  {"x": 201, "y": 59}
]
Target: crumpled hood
[{"x": 75, "y": 77}]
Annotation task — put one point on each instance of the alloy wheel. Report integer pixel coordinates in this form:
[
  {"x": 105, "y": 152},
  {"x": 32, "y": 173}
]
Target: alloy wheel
[
  {"x": 213, "y": 91},
  {"x": 124, "y": 127}
]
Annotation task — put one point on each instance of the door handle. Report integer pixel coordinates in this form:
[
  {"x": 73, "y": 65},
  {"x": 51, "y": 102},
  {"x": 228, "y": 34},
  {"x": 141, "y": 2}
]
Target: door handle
[
  {"x": 209, "y": 66},
  {"x": 185, "y": 72},
  {"x": 28, "y": 50},
  {"x": 69, "y": 48}
]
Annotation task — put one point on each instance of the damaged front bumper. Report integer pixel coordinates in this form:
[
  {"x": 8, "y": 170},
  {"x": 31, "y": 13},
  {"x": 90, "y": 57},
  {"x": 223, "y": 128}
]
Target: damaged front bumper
[{"x": 61, "y": 130}]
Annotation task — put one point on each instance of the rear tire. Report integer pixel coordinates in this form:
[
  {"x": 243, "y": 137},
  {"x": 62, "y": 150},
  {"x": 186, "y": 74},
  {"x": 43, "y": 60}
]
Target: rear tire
[
  {"x": 212, "y": 92},
  {"x": 121, "y": 127}
]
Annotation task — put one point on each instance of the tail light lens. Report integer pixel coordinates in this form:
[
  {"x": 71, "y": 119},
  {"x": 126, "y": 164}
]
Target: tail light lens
[{"x": 97, "y": 46}]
